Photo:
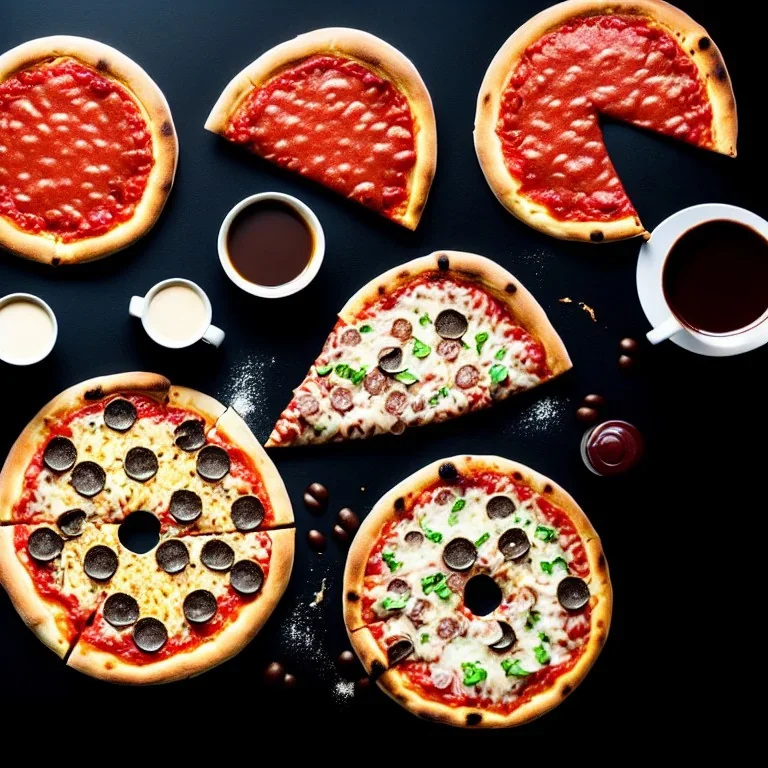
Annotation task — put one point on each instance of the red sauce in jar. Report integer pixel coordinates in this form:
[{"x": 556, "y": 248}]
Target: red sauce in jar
[{"x": 612, "y": 447}]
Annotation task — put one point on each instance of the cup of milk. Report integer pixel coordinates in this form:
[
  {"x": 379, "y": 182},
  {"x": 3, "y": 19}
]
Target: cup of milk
[
  {"x": 28, "y": 329},
  {"x": 176, "y": 313}
]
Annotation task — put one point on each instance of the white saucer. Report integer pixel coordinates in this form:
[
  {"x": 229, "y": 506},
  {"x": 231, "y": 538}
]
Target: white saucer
[{"x": 649, "y": 267}]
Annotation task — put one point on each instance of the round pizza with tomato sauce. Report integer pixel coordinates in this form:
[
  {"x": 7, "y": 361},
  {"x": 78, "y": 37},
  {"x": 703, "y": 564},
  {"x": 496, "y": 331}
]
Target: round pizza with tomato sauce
[
  {"x": 125, "y": 452},
  {"x": 88, "y": 150},
  {"x": 537, "y": 128},
  {"x": 343, "y": 108},
  {"x": 431, "y": 340},
  {"x": 476, "y": 593}
]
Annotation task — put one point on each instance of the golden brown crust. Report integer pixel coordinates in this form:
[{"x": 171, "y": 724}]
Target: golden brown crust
[
  {"x": 391, "y": 681},
  {"x": 232, "y": 426},
  {"x": 46, "y": 619},
  {"x": 157, "y": 115},
  {"x": 217, "y": 650},
  {"x": 482, "y": 271},
  {"x": 25, "y": 447},
  {"x": 375, "y": 54},
  {"x": 682, "y": 27}
]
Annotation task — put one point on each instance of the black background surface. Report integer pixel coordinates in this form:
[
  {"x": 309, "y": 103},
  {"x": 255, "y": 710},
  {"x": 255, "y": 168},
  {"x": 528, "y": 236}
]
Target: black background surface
[{"x": 695, "y": 412}]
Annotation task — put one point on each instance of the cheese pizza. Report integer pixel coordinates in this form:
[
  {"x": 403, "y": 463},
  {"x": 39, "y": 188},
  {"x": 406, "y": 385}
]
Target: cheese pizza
[{"x": 105, "y": 453}]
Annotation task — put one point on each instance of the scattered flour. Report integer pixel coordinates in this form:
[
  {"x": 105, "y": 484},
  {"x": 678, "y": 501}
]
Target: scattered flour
[
  {"x": 245, "y": 391},
  {"x": 544, "y": 416},
  {"x": 536, "y": 263}
]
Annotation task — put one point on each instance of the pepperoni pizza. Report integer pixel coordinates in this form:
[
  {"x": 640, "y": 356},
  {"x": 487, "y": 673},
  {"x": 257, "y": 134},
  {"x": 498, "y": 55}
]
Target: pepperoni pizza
[
  {"x": 433, "y": 339},
  {"x": 537, "y": 132},
  {"x": 343, "y": 108},
  {"x": 132, "y": 444},
  {"x": 459, "y": 529},
  {"x": 88, "y": 150}
]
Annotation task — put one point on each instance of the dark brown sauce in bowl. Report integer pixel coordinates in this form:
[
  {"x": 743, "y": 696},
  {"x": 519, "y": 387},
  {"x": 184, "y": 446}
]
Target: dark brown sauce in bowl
[
  {"x": 715, "y": 277},
  {"x": 270, "y": 243}
]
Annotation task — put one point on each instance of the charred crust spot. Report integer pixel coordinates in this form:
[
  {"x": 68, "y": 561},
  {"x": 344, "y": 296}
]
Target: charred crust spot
[
  {"x": 601, "y": 564},
  {"x": 94, "y": 394},
  {"x": 704, "y": 44},
  {"x": 600, "y": 623},
  {"x": 443, "y": 263},
  {"x": 404, "y": 273},
  {"x": 720, "y": 72},
  {"x": 382, "y": 290},
  {"x": 597, "y": 236},
  {"x": 548, "y": 488},
  {"x": 377, "y": 670},
  {"x": 167, "y": 186},
  {"x": 353, "y": 597},
  {"x": 474, "y": 718},
  {"x": 486, "y": 98},
  {"x": 517, "y": 475},
  {"x": 166, "y": 128},
  {"x": 109, "y": 665},
  {"x": 510, "y": 288},
  {"x": 102, "y": 65},
  {"x": 55, "y": 261},
  {"x": 567, "y": 689},
  {"x": 400, "y": 504}
]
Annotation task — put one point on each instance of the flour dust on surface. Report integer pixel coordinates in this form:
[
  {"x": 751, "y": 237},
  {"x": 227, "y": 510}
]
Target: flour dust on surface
[{"x": 245, "y": 391}]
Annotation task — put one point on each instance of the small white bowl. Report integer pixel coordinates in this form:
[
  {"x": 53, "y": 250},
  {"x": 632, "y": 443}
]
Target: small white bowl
[
  {"x": 300, "y": 281},
  {"x": 12, "y": 297}
]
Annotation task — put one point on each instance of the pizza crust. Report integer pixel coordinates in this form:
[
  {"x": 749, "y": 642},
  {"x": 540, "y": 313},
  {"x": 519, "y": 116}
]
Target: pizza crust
[
  {"x": 485, "y": 273},
  {"x": 683, "y": 28},
  {"x": 374, "y": 659},
  {"x": 372, "y": 52},
  {"x": 165, "y": 148},
  {"x": 215, "y": 651}
]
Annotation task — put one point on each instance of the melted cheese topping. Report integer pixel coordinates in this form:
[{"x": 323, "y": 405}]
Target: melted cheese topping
[
  {"x": 499, "y": 357},
  {"x": 445, "y": 633}
]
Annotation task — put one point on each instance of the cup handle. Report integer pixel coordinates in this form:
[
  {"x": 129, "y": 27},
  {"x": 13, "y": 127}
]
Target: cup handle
[
  {"x": 662, "y": 332},
  {"x": 213, "y": 335},
  {"x": 136, "y": 307}
]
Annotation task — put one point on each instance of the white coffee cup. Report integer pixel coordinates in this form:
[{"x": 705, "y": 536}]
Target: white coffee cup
[
  {"x": 650, "y": 274},
  {"x": 200, "y": 328},
  {"x": 300, "y": 281},
  {"x": 27, "y": 330}
]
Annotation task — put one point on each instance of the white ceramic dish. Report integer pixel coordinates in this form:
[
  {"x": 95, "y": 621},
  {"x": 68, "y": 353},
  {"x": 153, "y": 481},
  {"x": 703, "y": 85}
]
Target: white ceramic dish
[
  {"x": 300, "y": 281},
  {"x": 650, "y": 265},
  {"x": 32, "y": 299}
]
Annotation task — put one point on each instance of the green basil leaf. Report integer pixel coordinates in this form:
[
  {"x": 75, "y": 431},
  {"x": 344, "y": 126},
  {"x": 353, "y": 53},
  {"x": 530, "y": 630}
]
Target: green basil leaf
[
  {"x": 480, "y": 340},
  {"x": 406, "y": 377},
  {"x": 344, "y": 371},
  {"x": 424, "y": 638},
  {"x": 443, "y": 591},
  {"x": 358, "y": 376},
  {"x": 434, "y": 400},
  {"x": 542, "y": 655},
  {"x": 365, "y": 329},
  {"x": 513, "y": 668},
  {"x": 479, "y": 543},
  {"x": 544, "y": 637},
  {"x": 498, "y": 373},
  {"x": 464, "y": 344},
  {"x": 500, "y": 354},
  {"x": 319, "y": 428},
  {"x": 324, "y": 370},
  {"x": 424, "y": 319},
  {"x": 458, "y": 505},
  {"x": 395, "y": 603},
  {"x": 420, "y": 349},
  {"x": 544, "y": 533},
  {"x": 534, "y": 617},
  {"x": 443, "y": 391},
  {"x": 546, "y": 566},
  {"x": 436, "y": 583},
  {"x": 473, "y": 673},
  {"x": 392, "y": 562},
  {"x": 561, "y": 561}
]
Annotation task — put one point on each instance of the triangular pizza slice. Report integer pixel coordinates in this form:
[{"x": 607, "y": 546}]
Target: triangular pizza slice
[
  {"x": 428, "y": 341},
  {"x": 343, "y": 108}
]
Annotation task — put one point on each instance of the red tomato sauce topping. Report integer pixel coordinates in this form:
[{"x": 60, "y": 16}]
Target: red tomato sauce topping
[
  {"x": 75, "y": 151},
  {"x": 548, "y": 121},
  {"x": 336, "y": 122}
]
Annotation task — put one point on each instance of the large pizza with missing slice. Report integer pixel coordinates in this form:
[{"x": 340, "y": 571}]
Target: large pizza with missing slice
[
  {"x": 434, "y": 339},
  {"x": 343, "y": 108},
  {"x": 88, "y": 150},
  {"x": 537, "y": 129},
  {"x": 476, "y": 593},
  {"x": 101, "y": 455}
]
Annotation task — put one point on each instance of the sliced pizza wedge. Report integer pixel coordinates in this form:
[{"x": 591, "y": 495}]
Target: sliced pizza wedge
[
  {"x": 88, "y": 150},
  {"x": 431, "y": 340},
  {"x": 537, "y": 131},
  {"x": 476, "y": 593},
  {"x": 343, "y": 108}
]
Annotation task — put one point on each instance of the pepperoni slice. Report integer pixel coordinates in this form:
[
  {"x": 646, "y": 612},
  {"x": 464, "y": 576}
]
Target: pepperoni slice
[
  {"x": 467, "y": 377},
  {"x": 444, "y": 496},
  {"x": 449, "y": 349},
  {"x": 376, "y": 382},
  {"x": 417, "y": 612},
  {"x": 448, "y": 628},
  {"x": 350, "y": 337},
  {"x": 402, "y": 329},
  {"x": 307, "y": 405},
  {"x": 341, "y": 399},
  {"x": 396, "y": 402}
]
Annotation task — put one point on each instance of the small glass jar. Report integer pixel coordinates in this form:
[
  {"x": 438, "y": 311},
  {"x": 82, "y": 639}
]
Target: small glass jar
[{"x": 612, "y": 447}]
